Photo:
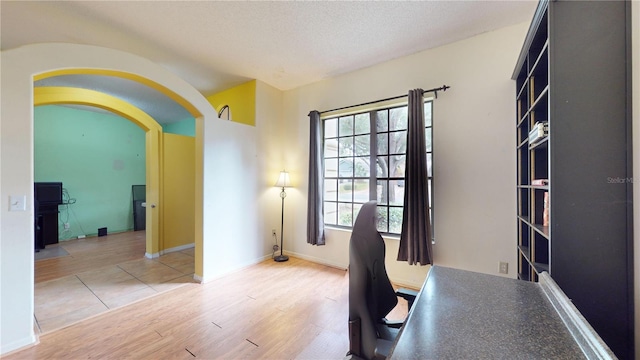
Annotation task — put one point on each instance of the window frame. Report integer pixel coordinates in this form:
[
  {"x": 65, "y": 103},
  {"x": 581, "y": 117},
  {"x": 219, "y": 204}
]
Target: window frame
[{"x": 336, "y": 135}]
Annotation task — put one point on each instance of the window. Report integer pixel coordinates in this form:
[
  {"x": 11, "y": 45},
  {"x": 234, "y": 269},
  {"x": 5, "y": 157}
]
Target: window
[{"x": 364, "y": 159}]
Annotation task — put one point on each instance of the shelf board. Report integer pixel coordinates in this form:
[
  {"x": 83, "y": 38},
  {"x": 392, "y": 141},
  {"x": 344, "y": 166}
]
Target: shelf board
[
  {"x": 525, "y": 252},
  {"x": 540, "y": 187},
  {"x": 525, "y": 219},
  {"x": 540, "y": 144},
  {"x": 542, "y": 94},
  {"x": 524, "y": 85},
  {"x": 540, "y": 267},
  {"x": 535, "y": 103},
  {"x": 535, "y": 187},
  {"x": 542, "y": 230},
  {"x": 524, "y": 117},
  {"x": 535, "y": 64},
  {"x": 525, "y": 277}
]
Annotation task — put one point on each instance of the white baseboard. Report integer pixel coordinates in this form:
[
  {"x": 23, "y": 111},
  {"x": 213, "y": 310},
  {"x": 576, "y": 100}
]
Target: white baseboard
[
  {"x": 317, "y": 260},
  {"x": 398, "y": 281},
  {"x": 242, "y": 266},
  {"x": 406, "y": 283},
  {"x": 19, "y": 345}
]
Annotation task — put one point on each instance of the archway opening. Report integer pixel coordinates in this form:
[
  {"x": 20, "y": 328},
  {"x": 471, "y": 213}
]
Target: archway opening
[
  {"x": 153, "y": 146},
  {"x": 181, "y": 270}
]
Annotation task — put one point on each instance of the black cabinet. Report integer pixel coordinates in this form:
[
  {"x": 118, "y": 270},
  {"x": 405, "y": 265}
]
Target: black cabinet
[
  {"x": 139, "y": 193},
  {"x": 574, "y": 186},
  {"x": 47, "y": 197},
  {"x": 46, "y": 226}
]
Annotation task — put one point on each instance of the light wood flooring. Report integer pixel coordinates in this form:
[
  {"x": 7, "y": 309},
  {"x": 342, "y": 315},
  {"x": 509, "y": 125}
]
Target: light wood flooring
[
  {"x": 291, "y": 310},
  {"x": 100, "y": 274}
]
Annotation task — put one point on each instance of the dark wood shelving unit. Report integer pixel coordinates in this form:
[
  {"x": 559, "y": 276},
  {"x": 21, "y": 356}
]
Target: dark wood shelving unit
[{"x": 573, "y": 73}]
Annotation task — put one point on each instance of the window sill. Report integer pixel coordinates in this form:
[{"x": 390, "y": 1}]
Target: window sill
[{"x": 384, "y": 236}]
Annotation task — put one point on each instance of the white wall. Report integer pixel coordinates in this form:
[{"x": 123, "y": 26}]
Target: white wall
[
  {"x": 269, "y": 127},
  {"x": 230, "y": 236},
  {"x": 16, "y": 130},
  {"x": 16, "y": 242},
  {"x": 474, "y": 156},
  {"x": 241, "y": 205}
]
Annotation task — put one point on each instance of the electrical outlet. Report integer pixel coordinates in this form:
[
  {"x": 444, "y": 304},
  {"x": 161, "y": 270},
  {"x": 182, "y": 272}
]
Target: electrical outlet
[
  {"x": 66, "y": 226},
  {"x": 276, "y": 247},
  {"x": 273, "y": 232},
  {"x": 504, "y": 268}
]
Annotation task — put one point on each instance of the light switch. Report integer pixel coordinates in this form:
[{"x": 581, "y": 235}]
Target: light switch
[{"x": 18, "y": 203}]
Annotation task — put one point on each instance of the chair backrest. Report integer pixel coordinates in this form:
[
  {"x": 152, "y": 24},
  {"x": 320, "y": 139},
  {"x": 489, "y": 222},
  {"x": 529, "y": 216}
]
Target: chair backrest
[{"x": 371, "y": 295}]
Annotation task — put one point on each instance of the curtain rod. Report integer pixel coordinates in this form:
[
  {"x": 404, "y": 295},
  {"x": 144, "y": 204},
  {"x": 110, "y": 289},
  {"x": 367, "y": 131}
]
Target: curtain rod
[{"x": 434, "y": 90}]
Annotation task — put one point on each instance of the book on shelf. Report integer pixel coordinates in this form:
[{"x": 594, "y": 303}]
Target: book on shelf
[
  {"x": 540, "y": 131},
  {"x": 540, "y": 182},
  {"x": 545, "y": 210}
]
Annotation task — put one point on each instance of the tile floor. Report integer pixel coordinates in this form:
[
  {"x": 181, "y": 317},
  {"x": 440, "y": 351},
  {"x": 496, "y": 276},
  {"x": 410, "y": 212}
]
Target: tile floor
[{"x": 64, "y": 301}]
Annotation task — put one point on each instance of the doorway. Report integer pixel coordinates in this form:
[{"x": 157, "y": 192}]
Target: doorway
[
  {"x": 103, "y": 273},
  {"x": 153, "y": 145},
  {"x": 28, "y": 64}
]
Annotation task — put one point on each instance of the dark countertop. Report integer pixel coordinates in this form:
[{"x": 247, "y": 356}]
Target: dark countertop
[{"x": 466, "y": 315}]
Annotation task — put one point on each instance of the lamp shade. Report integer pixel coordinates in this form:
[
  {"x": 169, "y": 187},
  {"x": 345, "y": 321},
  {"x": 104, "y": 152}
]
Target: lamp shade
[{"x": 283, "y": 180}]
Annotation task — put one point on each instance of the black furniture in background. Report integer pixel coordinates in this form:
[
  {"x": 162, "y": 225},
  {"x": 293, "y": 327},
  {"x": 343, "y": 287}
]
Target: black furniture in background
[
  {"x": 139, "y": 212},
  {"x": 47, "y": 197}
]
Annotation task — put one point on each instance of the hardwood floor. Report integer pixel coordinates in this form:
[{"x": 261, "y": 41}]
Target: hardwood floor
[
  {"x": 90, "y": 254},
  {"x": 102, "y": 273},
  {"x": 291, "y": 310}
]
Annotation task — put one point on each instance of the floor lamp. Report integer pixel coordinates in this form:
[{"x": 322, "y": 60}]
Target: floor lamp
[{"x": 283, "y": 182}]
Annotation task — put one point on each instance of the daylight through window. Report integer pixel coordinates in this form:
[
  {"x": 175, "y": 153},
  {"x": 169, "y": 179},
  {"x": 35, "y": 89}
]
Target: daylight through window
[{"x": 364, "y": 159}]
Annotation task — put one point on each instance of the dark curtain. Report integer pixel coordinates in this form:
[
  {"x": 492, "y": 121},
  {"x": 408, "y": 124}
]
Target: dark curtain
[
  {"x": 415, "y": 238},
  {"x": 315, "y": 208}
]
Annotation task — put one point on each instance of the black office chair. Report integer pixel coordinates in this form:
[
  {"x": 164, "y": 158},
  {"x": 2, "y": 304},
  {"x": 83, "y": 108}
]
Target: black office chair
[{"x": 371, "y": 296}]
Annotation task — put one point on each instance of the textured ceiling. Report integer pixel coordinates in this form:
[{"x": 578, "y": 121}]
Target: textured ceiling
[{"x": 216, "y": 45}]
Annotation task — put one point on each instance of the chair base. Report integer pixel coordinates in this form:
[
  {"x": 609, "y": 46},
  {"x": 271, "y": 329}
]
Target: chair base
[{"x": 281, "y": 258}]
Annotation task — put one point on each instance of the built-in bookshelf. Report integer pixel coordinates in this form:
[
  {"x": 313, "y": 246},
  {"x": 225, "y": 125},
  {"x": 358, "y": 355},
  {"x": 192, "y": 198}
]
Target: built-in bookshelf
[
  {"x": 532, "y": 83},
  {"x": 573, "y": 80}
]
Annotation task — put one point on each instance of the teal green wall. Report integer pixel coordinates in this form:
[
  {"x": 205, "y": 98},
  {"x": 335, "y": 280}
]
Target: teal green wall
[
  {"x": 97, "y": 157},
  {"x": 185, "y": 127}
]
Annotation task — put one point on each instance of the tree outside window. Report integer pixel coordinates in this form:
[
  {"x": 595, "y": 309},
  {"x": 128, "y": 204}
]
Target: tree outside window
[{"x": 355, "y": 174}]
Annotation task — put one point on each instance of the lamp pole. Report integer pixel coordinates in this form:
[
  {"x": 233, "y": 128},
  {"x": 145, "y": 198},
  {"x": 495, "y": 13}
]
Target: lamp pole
[{"x": 282, "y": 257}]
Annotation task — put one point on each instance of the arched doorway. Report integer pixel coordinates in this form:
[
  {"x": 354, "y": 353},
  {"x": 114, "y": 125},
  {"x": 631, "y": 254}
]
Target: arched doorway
[
  {"x": 153, "y": 132},
  {"x": 20, "y": 67}
]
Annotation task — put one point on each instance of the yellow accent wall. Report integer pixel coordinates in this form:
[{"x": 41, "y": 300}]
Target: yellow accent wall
[
  {"x": 178, "y": 190},
  {"x": 198, "y": 198},
  {"x": 241, "y": 100}
]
